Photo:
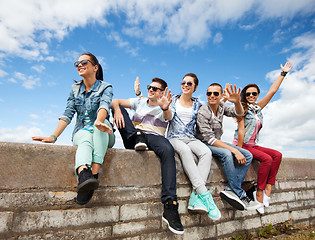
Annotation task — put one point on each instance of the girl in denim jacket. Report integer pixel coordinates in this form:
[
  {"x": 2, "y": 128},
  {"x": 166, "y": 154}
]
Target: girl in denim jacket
[
  {"x": 246, "y": 136},
  {"x": 89, "y": 99}
]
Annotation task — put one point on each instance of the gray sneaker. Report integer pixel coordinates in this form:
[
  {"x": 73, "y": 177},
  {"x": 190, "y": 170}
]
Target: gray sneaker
[
  {"x": 231, "y": 198},
  {"x": 250, "y": 204}
]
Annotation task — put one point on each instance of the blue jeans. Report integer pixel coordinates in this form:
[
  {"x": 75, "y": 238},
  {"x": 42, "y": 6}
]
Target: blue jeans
[{"x": 234, "y": 172}]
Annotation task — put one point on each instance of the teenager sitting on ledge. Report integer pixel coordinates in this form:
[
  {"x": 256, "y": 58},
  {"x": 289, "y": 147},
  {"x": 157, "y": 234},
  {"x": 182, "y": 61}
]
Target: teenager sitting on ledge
[
  {"x": 90, "y": 99},
  {"x": 146, "y": 131}
]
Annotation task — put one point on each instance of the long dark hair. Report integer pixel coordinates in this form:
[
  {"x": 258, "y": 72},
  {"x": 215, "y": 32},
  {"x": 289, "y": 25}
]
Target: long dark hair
[
  {"x": 99, "y": 72},
  {"x": 243, "y": 97}
]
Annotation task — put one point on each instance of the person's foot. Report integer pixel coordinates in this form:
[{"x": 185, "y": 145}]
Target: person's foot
[
  {"x": 212, "y": 209},
  {"x": 171, "y": 217},
  {"x": 195, "y": 204},
  {"x": 140, "y": 142},
  {"x": 87, "y": 181},
  {"x": 261, "y": 209},
  {"x": 266, "y": 200},
  {"x": 231, "y": 198},
  {"x": 85, "y": 197},
  {"x": 250, "y": 204}
]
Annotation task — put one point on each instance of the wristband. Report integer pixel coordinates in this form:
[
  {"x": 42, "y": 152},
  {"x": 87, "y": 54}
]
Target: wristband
[
  {"x": 138, "y": 94},
  {"x": 283, "y": 73},
  {"x": 54, "y": 137},
  {"x": 164, "y": 110}
]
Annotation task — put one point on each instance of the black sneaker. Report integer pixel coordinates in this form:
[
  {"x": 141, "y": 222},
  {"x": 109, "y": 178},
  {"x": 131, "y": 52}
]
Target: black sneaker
[
  {"x": 171, "y": 217},
  {"x": 230, "y": 197},
  {"x": 86, "y": 181},
  {"x": 85, "y": 197},
  {"x": 140, "y": 141},
  {"x": 251, "y": 205}
]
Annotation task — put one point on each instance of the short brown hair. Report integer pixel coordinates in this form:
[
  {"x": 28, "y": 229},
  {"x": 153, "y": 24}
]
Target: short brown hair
[
  {"x": 216, "y": 84},
  {"x": 160, "y": 81}
]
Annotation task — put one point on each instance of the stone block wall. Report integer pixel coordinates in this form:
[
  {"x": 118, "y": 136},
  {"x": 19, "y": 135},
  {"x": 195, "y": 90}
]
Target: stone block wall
[{"x": 37, "y": 191}]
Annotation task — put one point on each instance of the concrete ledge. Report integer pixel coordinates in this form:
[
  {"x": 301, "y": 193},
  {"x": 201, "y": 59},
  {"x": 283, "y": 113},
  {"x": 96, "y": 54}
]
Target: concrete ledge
[
  {"x": 52, "y": 166},
  {"x": 37, "y": 191}
]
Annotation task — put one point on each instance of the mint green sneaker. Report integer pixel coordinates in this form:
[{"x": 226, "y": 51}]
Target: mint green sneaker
[
  {"x": 195, "y": 204},
  {"x": 207, "y": 200}
]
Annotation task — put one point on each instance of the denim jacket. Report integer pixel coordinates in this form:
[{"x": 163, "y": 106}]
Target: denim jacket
[
  {"x": 80, "y": 101},
  {"x": 177, "y": 129},
  {"x": 249, "y": 123}
]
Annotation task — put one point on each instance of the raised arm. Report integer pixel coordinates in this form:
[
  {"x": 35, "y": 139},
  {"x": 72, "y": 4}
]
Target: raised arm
[
  {"x": 164, "y": 102},
  {"x": 137, "y": 87},
  {"x": 275, "y": 86},
  {"x": 233, "y": 96}
]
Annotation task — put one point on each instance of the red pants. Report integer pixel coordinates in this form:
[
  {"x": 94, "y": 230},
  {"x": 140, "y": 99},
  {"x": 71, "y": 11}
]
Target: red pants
[{"x": 269, "y": 164}]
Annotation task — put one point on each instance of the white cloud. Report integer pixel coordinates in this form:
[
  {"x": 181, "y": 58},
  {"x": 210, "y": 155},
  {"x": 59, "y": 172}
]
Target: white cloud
[
  {"x": 3, "y": 73},
  {"x": 116, "y": 37},
  {"x": 218, "y": 38},
  {"x": 19, "y": 134},
  {"x": 12, "y": 80},
  {"x": 39, "y": 68},
  {"x": 34, "y": 116},
  {"x": 188, "y": 23},
  {"x": 28, "y": 82}
]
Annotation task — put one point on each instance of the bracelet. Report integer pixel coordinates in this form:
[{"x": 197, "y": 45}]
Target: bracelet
[
  {"x": 138, "y": 94},
  {"x": 54, "y": 137},
  {"x": 283, "y": 73},
  {"x": 164, "y": 110}
]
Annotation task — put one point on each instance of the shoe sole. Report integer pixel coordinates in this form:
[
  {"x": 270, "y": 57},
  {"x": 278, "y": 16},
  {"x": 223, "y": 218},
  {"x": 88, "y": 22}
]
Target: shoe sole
[
  {"x": 86, "y": 201},
  {"x": 140, "y": 147},
  {"x": 88, "y": 185},
  {"x": 197, "y": 209},
  {"x": 172, "y": 229},
  {"x": 233, "y": 202}
]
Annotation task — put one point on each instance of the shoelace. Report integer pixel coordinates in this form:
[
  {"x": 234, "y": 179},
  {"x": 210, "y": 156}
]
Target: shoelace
[{"x": 246, "y": 199}]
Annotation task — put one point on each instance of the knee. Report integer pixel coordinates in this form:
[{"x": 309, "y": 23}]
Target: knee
[
  {"x": 168, "y": 150},
  {"x": 227, "y": 156},
  {"x": 268, "y": 161},
  {"x": 278, "y": 156}
]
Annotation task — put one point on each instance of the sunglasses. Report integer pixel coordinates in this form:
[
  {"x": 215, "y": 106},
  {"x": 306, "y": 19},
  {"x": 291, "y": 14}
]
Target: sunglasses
[
  {"x": 214, "y": 93},
  {"x": 189, "y": 84},
  {"x": 83, "y": 63},
  {"x": 251, "y": 93},
  {"x": 154, "y": 89}
]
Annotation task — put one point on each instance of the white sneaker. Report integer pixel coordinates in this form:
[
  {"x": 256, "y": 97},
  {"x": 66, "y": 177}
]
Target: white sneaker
[
  {"x": 266, "y": 200},
  {"x": 261, "y": 209}
]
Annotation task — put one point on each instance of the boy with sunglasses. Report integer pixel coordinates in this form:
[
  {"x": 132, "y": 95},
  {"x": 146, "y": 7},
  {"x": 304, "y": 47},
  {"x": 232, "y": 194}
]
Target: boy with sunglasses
[
  {"x": 209, "y": 130},
  {"x": 146, "y": 131}
]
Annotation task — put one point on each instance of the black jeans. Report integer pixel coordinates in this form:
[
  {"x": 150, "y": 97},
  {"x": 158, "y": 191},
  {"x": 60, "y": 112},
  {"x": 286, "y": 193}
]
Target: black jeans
[{"x": 162, "y": 148}]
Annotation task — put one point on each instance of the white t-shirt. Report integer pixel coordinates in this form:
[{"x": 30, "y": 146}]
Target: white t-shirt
[
  {"x": 148, "y": 118},
  {"x": 185, "y": 114}
]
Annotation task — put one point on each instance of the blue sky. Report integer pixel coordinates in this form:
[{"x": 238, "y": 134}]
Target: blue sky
[{"x": 239, "y": 42}]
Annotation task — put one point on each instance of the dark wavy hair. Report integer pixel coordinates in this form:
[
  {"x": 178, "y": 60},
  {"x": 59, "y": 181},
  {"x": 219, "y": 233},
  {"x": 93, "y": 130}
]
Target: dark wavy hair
[
  {"x": 99, "y": 73},
  {"x": 244, "y": 101}
]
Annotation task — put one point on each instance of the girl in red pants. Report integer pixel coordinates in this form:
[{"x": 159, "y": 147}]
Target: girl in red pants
[{"x": 246, "y": 136}]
